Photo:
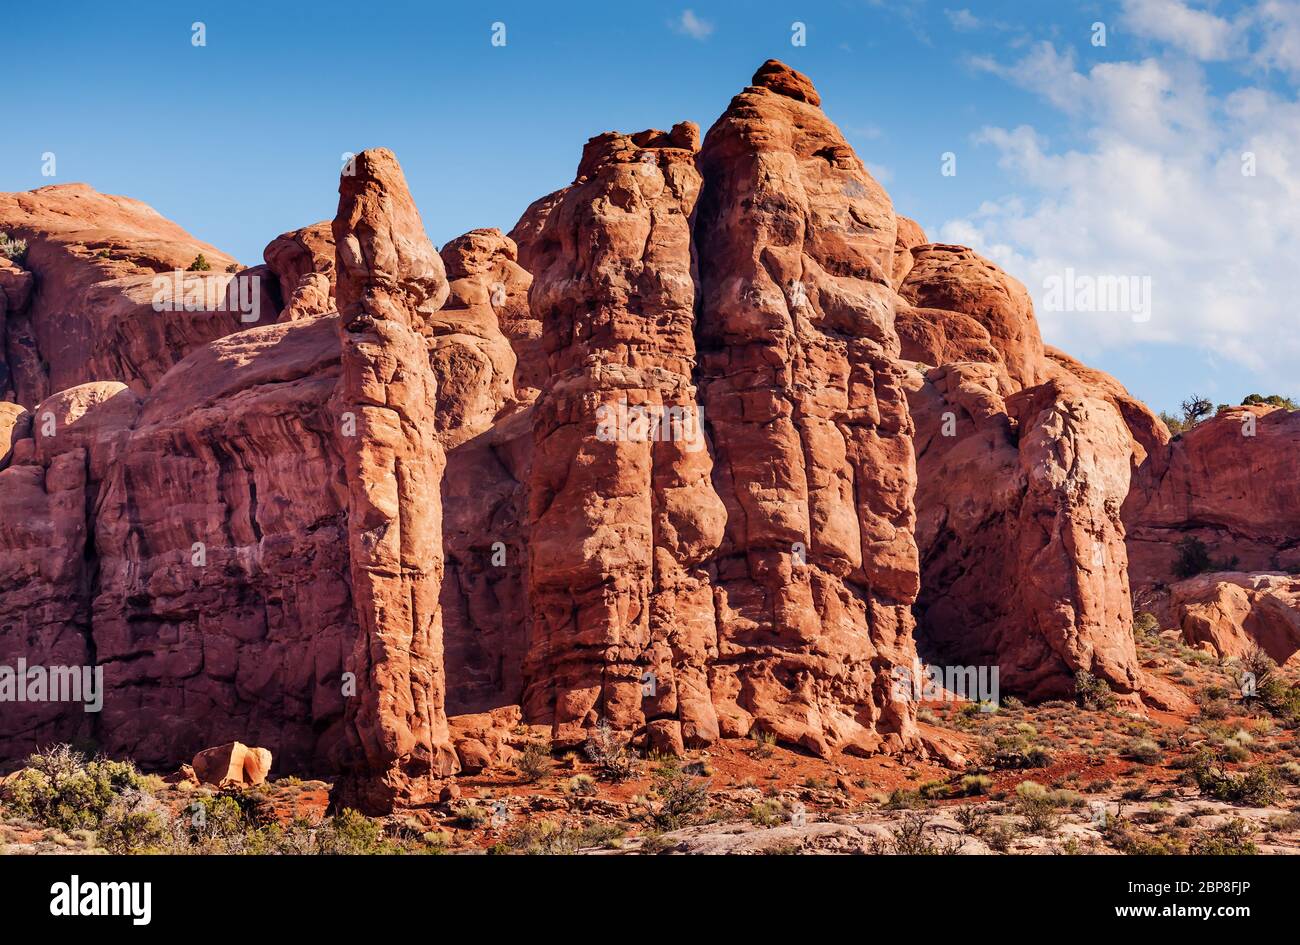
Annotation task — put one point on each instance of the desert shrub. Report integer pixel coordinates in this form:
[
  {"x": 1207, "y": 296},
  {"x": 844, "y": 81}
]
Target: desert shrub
[
  {"x": 1145, "y": 625},
  {"x": 934, "y": 790},
  {"x": 676, "y": 798},
  {"x": 535, "y": 762},
  {"x": 1144, "y": 751},
  {"x": 60, "y": 788},
  {"x": 1229, "y": 839},
  {"x": 132, "y": 831},
  {"x": 1215, "y": 709},
  {"x": 904, "y": 799},
  {"x": 581, "y": 785},
  {"x": 200, "y": 264},
  {"x": 1000, "y": 837},
  {"x": 1036, "y": 805},
  {"x": 973, "y": 784},
  {"x": 1173, "y": 422},
  {"x": 915, "y": 837},
  {"x": 1280, "y": 699},
  {"x": 537, "y": 838},
  {"x": 606, "y": 750},
  {"x": 1252, "y": 672},
  {"x": 1122, "y": 835},
  {"x": 1092, "y": 692},
  {"x": 350, "y": 834},
  {"x": 1195, "y": 409},
  {"x": 1193, "y": 557},
  {"x": 973, "y": 818},
  {"x": 1255, "y": 787},
  {"x": 764, "y": 743},
  {"x": 1011, "y": 752},
  {"x": 13, "y": 249},
  {"x": 472, "y": 816},
  {"x": 768, "y": 813},
  {"x": 228, "y": 822}
]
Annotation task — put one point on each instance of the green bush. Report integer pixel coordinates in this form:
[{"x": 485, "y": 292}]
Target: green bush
[
  {"x": 973, "y": 784},
  {"x": 1144, "y": 751},
  {"x": 60, "y": 788},
  {"x": 1092, "y": 692},
  {"x": 132, "y": 831},
  {"x": 200, "y": 264},
  {"x": 767, "y": 813},
  {"x": 1272, "y": 400},
  {"x": 13, "y": 249},
  {"x": 1255, "y": 788},
  {"x": 535, "y": 762},
  {"x": 1145, "y": 626},
  {"x": 1015, "y": 752},
  {"x": 676, "y": 798},
  {"x": 1193, "y": 557},
  {"x": 351, "y": 834},
  {"x": 1230, "y": 839}
]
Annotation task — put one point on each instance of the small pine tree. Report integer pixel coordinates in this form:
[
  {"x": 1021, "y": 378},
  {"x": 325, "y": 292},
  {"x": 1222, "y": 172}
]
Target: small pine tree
[
  {"x": 1193, "y": 557},
  {"x": 200, "y": 264}
]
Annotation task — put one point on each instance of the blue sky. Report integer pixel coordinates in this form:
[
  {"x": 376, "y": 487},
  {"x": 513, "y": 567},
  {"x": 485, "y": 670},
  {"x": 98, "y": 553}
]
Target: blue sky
[{"x": 1118, "y": 160}]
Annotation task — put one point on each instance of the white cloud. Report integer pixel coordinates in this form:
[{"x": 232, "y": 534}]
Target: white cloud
[
  {"x": 962, "y": 20},
  {"x": 1280, "y": 22},
  {"x": 1154, "y": 187},
  {"x": 691, "y": 25},
  {"x": 1198, "y": 33}
]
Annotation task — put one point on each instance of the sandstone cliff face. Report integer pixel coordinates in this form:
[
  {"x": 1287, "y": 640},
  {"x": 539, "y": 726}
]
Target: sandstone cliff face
[
  {"x": 90, "y": 311},
  {"x": 622, "y": 513},
  {"x": 1025, "y": 458},
  {"x": 470, "y": 353},
  {"x": 978, "y": 313},
  {"x": 301, "y": 263},
  {"x": 486, "y": 353},
  {"x": 812, "y": 439},
  {"x": 255, "y": 549},
  {"x": 1233, "y": 482},
  {"x": 696, "y": 451},
  {"x": 1234, "y": 613},
  {"x": 222, "y": 606},
  {"x": 1024, "y": 563}
]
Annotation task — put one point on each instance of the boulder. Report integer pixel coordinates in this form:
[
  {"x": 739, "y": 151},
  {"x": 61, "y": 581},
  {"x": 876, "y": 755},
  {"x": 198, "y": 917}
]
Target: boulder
[
  {"x": 1234, "y": 613},
  {"x": 232, "y": 764}
]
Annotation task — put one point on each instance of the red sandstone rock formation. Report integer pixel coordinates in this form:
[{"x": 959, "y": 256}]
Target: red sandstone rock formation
[
  {"x": 470, "y": 352},
  {"x": 1233, "y": 613},
  {"x": 390, "y": 283},
  {"x": 678, "y": 454},
  {"x": 1024, "y": 563},
  {"x": 302, "y": 263},
  {"x": 90, "y": 314},
  {"x": 486, "y": 352},
  {"x": 1233, "y": 482},
  {"x": 817, "y": 569},
  {"x": 233, "y": 763},
  {"x": 622, "y": 514}
]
